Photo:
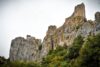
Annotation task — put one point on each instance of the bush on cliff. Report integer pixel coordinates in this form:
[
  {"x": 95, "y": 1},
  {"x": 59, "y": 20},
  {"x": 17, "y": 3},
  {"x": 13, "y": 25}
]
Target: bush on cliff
[{"x": 82, "y": 53}]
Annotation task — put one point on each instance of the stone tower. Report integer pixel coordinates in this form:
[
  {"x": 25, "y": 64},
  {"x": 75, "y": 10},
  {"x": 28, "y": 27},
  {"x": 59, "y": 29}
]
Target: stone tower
[{"x": 79, "y": 10}]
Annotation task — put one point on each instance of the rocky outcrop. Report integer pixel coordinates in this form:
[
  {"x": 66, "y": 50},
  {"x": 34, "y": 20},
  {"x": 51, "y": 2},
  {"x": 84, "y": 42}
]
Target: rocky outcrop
[
  {"x": 65, "y": 34},
  {"x": 25, "y": 49},
  {"x": 29, "y": 49},
  {"x": 79, "y": 10},
  {"x": 75, "y": 25},
  {"x": 97, "y": 17},
  {"x": 97, "y": 20},
  {"x": 48, "y": 42}
]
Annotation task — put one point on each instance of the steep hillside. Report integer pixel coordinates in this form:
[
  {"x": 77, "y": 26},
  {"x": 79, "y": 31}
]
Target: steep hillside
[
  {"x": 75, "y": 25},
  {"x": 31, "y": 49}
]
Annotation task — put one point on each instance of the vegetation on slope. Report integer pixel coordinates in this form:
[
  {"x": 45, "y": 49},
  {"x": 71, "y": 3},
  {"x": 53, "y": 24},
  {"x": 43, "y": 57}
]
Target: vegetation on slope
[{"x": 82, "y": 53}]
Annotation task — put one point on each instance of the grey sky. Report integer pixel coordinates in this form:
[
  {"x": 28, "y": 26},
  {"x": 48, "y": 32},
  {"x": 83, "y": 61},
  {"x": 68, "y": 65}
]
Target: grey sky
[{"x": 22, "y": 17}]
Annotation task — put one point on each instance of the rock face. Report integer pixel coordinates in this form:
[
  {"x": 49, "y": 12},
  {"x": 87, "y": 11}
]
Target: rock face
[
  {"x": 97, "y": 16},
  {"x": 76, "y": 24},
  {"x": 65, "y": 34},
  {"x": 25, "y": 49},
  {"x": 79, "y": 10},
  {"x": 48, "y": 42}
]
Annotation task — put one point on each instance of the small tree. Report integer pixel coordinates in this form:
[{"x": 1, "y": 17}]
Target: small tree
[{"x": 73, "y": 51}]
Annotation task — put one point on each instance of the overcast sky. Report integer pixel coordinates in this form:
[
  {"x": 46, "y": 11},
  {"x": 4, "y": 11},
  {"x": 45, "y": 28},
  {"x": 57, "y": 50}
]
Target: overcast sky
[{"x": 22, "y": 17}]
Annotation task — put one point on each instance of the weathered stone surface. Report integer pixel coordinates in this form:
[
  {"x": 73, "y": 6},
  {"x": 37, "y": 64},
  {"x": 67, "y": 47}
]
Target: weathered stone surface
[
  {"x": 63, "y": 34},
  {"x": 79, "y": 10},
  {"x": 74, "y": 25},
  {"x": 97, "y": 17},
  {"x": 77, "y": 24},
  {"x": 25, "y": 49},
  {"x": 48, "y": 42},
  {"x": 88, "y": 28}
]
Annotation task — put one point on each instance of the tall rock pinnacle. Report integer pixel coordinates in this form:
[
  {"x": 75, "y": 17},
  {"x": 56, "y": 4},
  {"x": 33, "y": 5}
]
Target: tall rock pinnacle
[
  {"x": 77, "y": 16},
  {"x": 65, "y": 34},
  {"x": 79, "y": 10},
  {"x": 97, "y": 16}
]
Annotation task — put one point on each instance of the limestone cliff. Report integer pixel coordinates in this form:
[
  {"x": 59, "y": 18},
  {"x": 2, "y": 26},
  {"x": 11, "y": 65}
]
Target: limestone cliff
[
  {"x": 25, "y": 49},
  {"x": 77, "y": 24},
  {"x": 79, "y": 10}
]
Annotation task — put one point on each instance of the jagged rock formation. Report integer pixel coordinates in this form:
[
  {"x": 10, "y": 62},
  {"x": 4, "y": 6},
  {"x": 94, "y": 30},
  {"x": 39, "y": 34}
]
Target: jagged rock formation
[
  {"x": 65, "y": 34},
  {"x": 79, "y": 10},
  {"x": 25, "y": 49},
  {"x": 97, "y": 16},
  {"x": 97, "y": 20},
  {"x": 76, "y": 24}
]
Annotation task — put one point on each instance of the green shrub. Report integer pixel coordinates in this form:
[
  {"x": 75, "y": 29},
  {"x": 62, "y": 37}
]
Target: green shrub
[
  {"x": 80, "y": 54},
  {"x": 89, "y": 54}
]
